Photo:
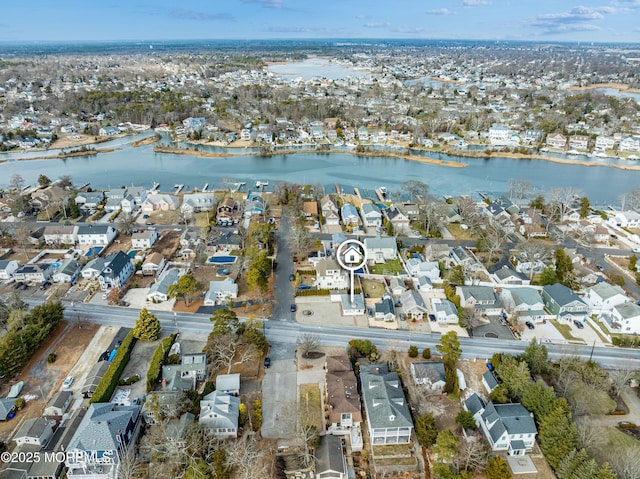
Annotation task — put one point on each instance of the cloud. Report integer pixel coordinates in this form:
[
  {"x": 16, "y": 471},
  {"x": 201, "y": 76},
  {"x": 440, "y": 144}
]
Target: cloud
[
  {"x": 440, "y": 11},
  {"x": 363, "y": 17},
  {"x": 296, "y": 29},
  {"x": 266, "y": 3},
  {"x": 185, "y": 14},
  {"x": 377, "y": 25},
  {"x": 475, "y": 3},
  {"x": 409, "y": 30},
  {"x": 577, "y": 19}
]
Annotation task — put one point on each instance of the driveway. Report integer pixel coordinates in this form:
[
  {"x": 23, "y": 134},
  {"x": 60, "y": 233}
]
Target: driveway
[
  {"x": 279, "y": 388},
  {"x": 283, "y": 287}
]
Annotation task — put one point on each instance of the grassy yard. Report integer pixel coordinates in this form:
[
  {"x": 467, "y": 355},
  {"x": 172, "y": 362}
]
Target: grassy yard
[
  {"x": 597, "y": 331},
  {"x": 310, "y": 405},
  {"x": 459, "y": 233},
  {"x": 565, "y": 330},
  {"x": 392, "y": 450},
  {"x": 202, "y": 219},
  {"x": 390, "y": 267},
  {"x": 373, "y": 288}
]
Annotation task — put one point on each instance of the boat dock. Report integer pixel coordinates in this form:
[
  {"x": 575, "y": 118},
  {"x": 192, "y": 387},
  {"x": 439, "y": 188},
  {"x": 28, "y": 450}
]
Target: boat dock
[
  {"x": 205, "y": 187},
  {"x": 178, "y": 188}
]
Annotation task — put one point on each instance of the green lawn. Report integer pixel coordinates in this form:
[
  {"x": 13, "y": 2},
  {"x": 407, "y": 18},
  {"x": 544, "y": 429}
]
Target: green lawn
[
  {"x": 565, "y": 330},
  {"x": 310, "y": 405},
  {"x": 459, "y": 233},
  {"x": 390, "y": 267}
]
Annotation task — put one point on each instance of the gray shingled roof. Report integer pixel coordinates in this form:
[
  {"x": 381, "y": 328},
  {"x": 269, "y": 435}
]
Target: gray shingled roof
[
  {"x": 101, "y": 424},
  {"x": 329, "y": 455},
  {"x": 474, "y": 403},
  {"x": 383, "y": 397},
  {"x": 561, "y": 294}
]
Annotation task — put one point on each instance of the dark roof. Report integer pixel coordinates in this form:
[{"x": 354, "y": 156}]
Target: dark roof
[
  {"x": 490, "y": 379},
  {"x": 561, "y": 294},
  {"x": 329, "y": 455},
  {"x": 95, "y": 375},
  {"x": 474, "y": 403},
  {"x": 60, "y": 399},
  {"x": 384, "y": 399},
  {"x": 117, "y": 263},
  {"x": 385, "y": 307},
  {"x": 93, "y": 229}
]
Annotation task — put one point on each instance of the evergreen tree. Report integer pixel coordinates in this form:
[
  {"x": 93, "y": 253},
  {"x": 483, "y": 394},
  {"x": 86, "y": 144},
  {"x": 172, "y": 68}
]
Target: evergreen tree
[
  {"x": 497, "y": 468},
  {"x": 147, "y": 326},
  {"x": 426, "y": 430},
  {"x": 449, "y": 348},
  {"x": 558, "y": 435},
  {"x": 224, "y": 321},
  {"x": 536, "y": 357}
]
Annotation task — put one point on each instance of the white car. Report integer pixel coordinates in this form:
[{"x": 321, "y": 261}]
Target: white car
[
  {"x": 636, "y": 250},
  {"x": 68, "y": 381}
]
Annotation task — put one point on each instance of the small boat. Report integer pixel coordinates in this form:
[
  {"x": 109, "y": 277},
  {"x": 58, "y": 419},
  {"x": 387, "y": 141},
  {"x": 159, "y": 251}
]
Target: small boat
[
  {"x": 261, "y": 184},
  {"x": 573, "y": 152}
]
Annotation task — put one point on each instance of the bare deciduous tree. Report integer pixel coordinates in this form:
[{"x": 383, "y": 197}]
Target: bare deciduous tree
[
  {"x": 307, "y": 343},
  {"x": 620, "y": 379},
  {"x": 248, "y": 459},
  {"x": 227, "y": 350}
]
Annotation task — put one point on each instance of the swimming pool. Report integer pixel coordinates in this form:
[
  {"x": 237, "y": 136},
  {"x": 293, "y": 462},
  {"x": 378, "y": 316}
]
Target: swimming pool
[
  {"x": 223, "y": 259},
  {"x": 133, "y": 253},
  {"x": 55, "y": 265},
  {"x": 94, "y": 251}
]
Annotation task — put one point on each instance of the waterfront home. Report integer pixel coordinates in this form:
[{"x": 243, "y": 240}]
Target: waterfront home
[
  {"x": 410, "y": 210},
  {"x": 329, "y": 275},
  {"x": 159, "y": 291},
  {"x": 532, "y": 136},
  {"x": 604, "y": 296},
  {"x": 220, "y": 292},
  {"x": 60, "y": 235},
  {"x": 89, "y": 200},
  {"x": 349, "y": 215},
  {"x": 604, "y": 143},
  {"x": 556, "y": 140},
  {"x": 524, "y": 303},
  {"x": 622, "y": 318},
  {"x": 310, "y": 209},
  {"x": 160, "y": 202},
  {"x": 371, "y": 215},
  {"x": 219, "y": 414},
  {"x": 579, "y": 142},
  {"x": 254, "y": 206},
  {"x": 627, "y": 219},
  {"x": 400, "y": 222},
  {"x": 118, "y": 268},
  {"x": 341, "y": 395},
  {"x": 329, "y": 211},
  {"x": 444, "y": 311},
  {"x": 429, "y": 374},
  {"x": 104, "y": 427},
  {"x": 381, "y": 250},
  {"x": 507, "y": 427},
  {"x": 194, "y": 124},
  {"x": 630, "y": 143},
  {"x": 52, "y": 195},
  {"x": 7, "y": 268},
  {"x": 499, "y": 135},
  {"x": 96, "y": 234},
  {"x": 388, "y": 416},
  {"x": 109, "y": 131},
  {"x": 66, "y": 272},
  {"x": 145, "y": 240},
  {"x": 564, "y": 303},
  {"x": 34, "y": 273},
  {"x": 363, "y": 133}
]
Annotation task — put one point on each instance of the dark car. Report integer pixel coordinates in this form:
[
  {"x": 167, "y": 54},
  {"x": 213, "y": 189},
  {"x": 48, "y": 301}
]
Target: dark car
[
  {"x": 432, "y": 318},
  {"x": 23, "y": 286},
  {"x": 304, "y": 286},
  {"x": 293, "y": 308},
  {"x": 292, "y": 277},
  {"x": 614, "y": 236},
  {"x": 578, "y": 324},
  {"x": 529, "y": 325},
  {"x": 267, "y": 362},
  {"x": 18, "y": 285}
]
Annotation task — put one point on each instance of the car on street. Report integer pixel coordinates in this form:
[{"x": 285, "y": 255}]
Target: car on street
[
  {"x": 293, "y": 308},
  {"x": 68, "y": 381},
  {"x": 292, "y": 277},
  {"x": 578, "y": 324},
  {"x": 18, "y": 285},
  {"x": 614, "y": 236},
  {"x": 432, "y": 318},
  {"x": 529, "y": 325},
  {"x": 23, "y": 286},
  {"x": 267, "y": 362}
]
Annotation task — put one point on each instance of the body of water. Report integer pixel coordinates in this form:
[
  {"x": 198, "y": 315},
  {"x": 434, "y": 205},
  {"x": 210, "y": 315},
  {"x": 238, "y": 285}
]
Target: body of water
[
  {"x": 315, "y": 68},
  {"x": 142, "y": 166},
  {"x": 619, "y": 93}
]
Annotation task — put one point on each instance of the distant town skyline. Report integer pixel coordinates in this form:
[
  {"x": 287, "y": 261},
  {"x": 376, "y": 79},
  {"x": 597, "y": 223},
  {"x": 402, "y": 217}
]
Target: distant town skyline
[{"x": 544, "y": 20}]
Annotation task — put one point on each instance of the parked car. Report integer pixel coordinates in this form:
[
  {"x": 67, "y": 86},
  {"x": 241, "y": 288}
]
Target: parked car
[
  {"x": 304, "y": 286},
  {"x": 529, "y": 325},
  {"x": 267, "y": 362},
  {"x": 578, "y": 324},
  {"x": 292, "y": 277},
  {"x": 432, "y": 318},
  {"x": 626, "y": 425},
  {"x": 23, "y": 286},
  {"x": 293, "y": 308},
  {"x": 18, "y": 285},
  {"x": 68, "y": 381}
]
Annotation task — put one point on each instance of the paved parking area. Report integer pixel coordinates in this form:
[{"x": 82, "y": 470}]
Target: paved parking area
[
  {"x": 326, "y": 313},
  {"x": 279, "y": 392},
  {"x": 137, "y": 298},
  {"x": 543, "y": 332}
]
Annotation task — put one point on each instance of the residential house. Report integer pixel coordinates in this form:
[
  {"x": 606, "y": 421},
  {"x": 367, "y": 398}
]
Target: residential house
[
  {"x": 58, "y": 404},
  {"x": 381, "y": 250},
  {"x": 352, "y": 308},
  {"x": 604, "y": 296},
  {"x": 329, "y": 211},
  {"x": 33, "y": 273},
  {"x": 144, "y": 240},
  {"x": 159, "y": 405},
  {"x": 401, "y": 224},
  {"x": 363, "y": 133},
  {"x": 329, "y": 275},
  {"x": 413, "y": 304},
  {"x": 371, "y": 215},
  {"x": 429, "y": 374},
  {"x": 556, "y": 140},
  {"x": 384, "y": 309},
  {"x": 160, "y": 202},
  {"x": 563, "y": 302},
  {"x": 89, "y": 200},
  {"x": 310, "y": 209},
  {"x": 410, "y": 210},
  {"x": 60, "y": 235},
  {"x": 94, "y": 376},
  {"x": 219, "y": 414},
  {"x": 226, "y": 211},
  {"x": 96, "y": 234},
  {"x": 600, "y": 234},
  {"x": 35, "y": 431},
  {"x": 630, "y": 143},
  {"x": 128, "y": 204},
  {"x": 509, "y": 206},
  {"x": 532, "y": 136},
  {"x": 109, "y": 131},
  {"x": 579, "y": 142},
  {"x": 499, "y": 134},
  {"x": 184, "y": 376},
  {"x": 220, "y": 292},
  {"x": 254, "y": 206},
  {"x": 533, "y": 231},
  {"x": 623, "y": 318},
  {"x": 418, "y": 268},
  {"x": 627, "y": 219},
  {"x": 53, "y": 195},
  {"x": 330, "y": 460},
  {"x": 228, "y": 384},
  {"x": 349, "y": 215},
  {"x": 117, "y": 270},
  {"x": 153, "y": 264},
  {"x": 482, "y": 299},
  {"x": 7, "y": 408},
  {"x": 508, "y": 276},
  {"x": 93, "y": 268},
  {"x": 107, "y": 432},
  {"x": 507, "y": 427},
  {"x": 489, "y": 381},
  {"x": 444, "y": 311},
  {"x": 604, "y": 143},
  {"x": 385, "y": 405},
  {"x": 343, "y": 400},
  {"x": 525, "y": 303},
  {"x": 159, "y": 291},
  {"x": 7, "y": 268},
  {"x": 67, "y": 272},
  {"x": 461, "y": 256}
]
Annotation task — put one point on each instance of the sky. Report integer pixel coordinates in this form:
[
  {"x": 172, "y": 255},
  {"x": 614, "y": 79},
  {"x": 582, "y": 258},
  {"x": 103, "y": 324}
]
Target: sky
[{"x": 533, "y": 20}]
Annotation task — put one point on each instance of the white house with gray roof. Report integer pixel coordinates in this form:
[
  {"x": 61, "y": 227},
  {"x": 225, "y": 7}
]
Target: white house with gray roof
[
  {"x": 95, "y": 234},
  {"x": 67, "y": 271},
  {"x": 418, "y": 268},
  {"x": 507, "y": 427},
  {"x": 444, "y": 311},
  {"x": 159, "y": 291},
  {"x": 413, "y": 304},
  {"x": 388, "y": 417},
  {"x": 7, "y": 268},
  {"x": 526, "y": 303},
  {"x": 623, "y": 318},
  {"x": 220, "y": 291},
  {"x": 144, "y": 240},
  {"x": 371, "y": 215},
  {"x": 508, "y": 276},
  {"x": 604, "y": 296},
  {"x": 330, "y": 275},
  {"x": 381, "y": 250},
  {"x": 330, "y": 460},
  {"x": 219, "y": 414}
]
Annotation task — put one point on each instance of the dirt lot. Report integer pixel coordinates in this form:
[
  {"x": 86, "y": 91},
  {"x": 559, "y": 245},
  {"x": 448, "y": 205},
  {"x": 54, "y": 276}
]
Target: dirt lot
[{"x": 68, "y": 343}]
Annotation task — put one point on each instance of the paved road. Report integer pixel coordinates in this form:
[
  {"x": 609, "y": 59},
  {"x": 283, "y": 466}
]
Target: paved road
[
  {"x": 283, "y": 287},
  {"x": 279, "y": 391}
]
